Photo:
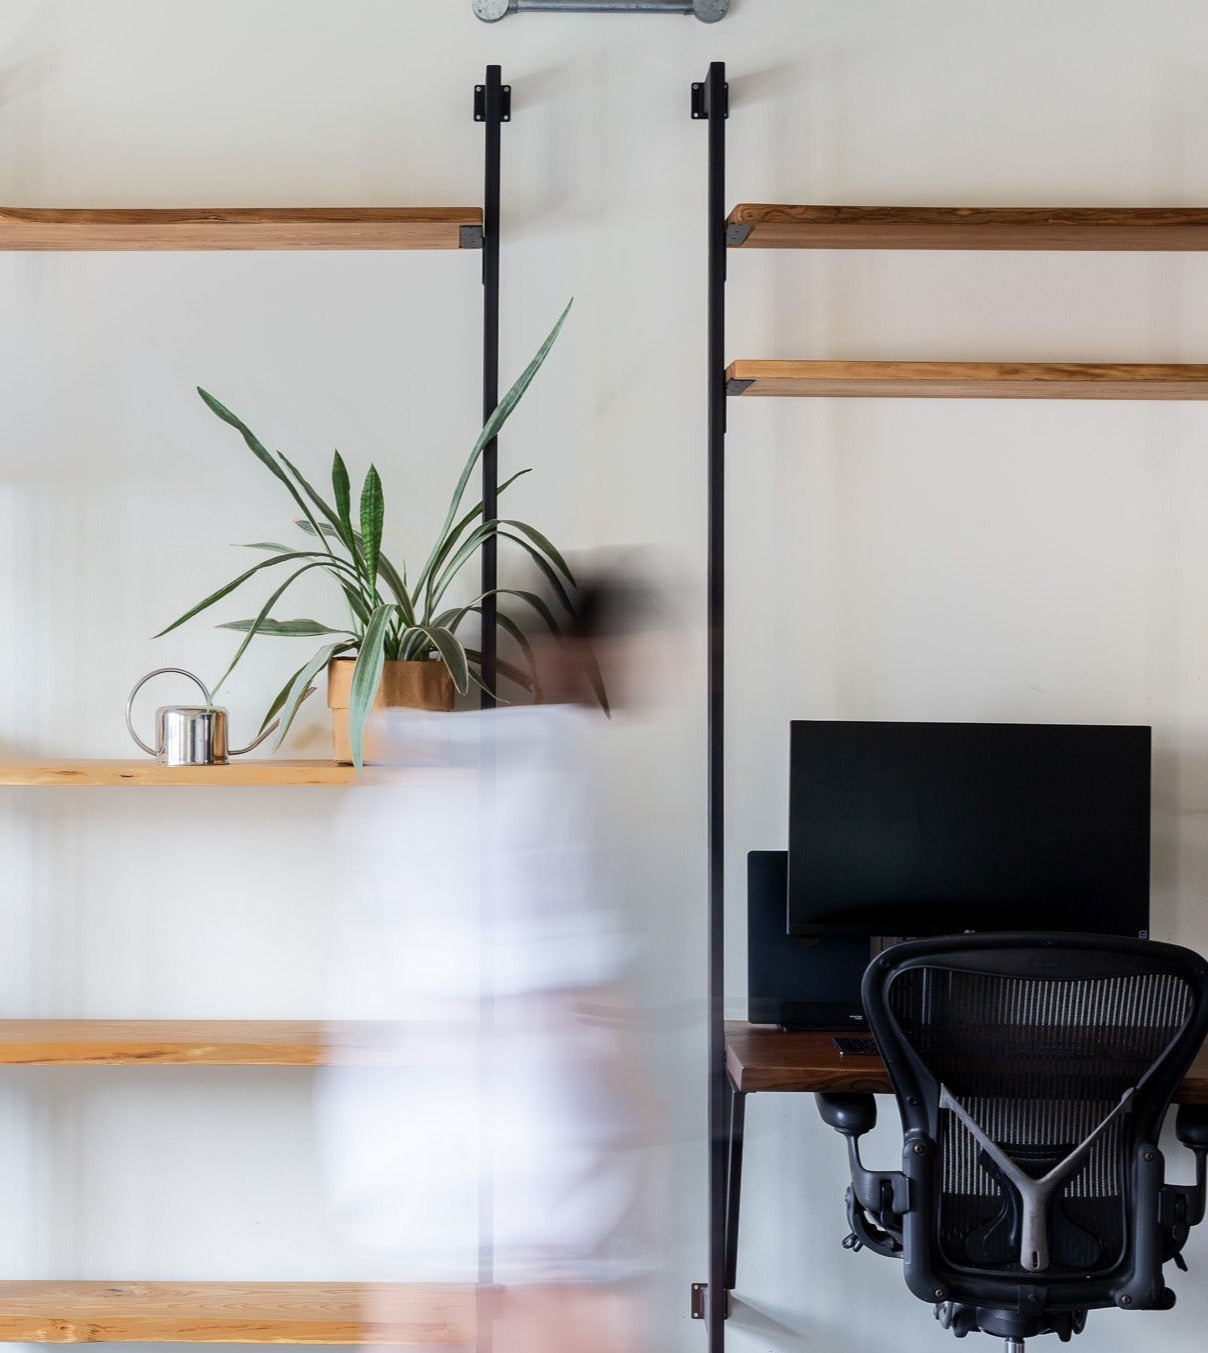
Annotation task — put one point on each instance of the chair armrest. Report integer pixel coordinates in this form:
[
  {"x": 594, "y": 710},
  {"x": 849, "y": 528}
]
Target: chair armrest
[
  {"x": 852, "y": 1115},
  {"x": 1191, "y": 1126}
]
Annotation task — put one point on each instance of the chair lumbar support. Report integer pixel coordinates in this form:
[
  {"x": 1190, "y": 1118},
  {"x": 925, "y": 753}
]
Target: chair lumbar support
[{"x": 1034, "y": 1194}]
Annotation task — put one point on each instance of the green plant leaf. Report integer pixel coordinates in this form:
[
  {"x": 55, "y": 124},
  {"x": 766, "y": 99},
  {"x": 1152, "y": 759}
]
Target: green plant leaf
[
  {"x": 441, "y": 553},
  {"x": 324, "y": 559},
  {"x": 293, "y": 629},
  {"x": 473, "y": 542},
  {"x": 492, "y": 428},
  {"x": 297, "y": 688},
  {"x": 543, "y": 544},
  {"x": 503, "y": 667},
  {"x": 373, "y": 512},
  {"x": 274, "y": 545},
  {"x": 311, "y": 492},
  {"x": 254, "y": 446},
  {"x": 259, "y": 620},
  {"x": 505, "y": 622},
  {"x": 386, "y": 570},
  {"x": 365, "y": 677},
  {"x": 546, "y": 568},
  {"x": 439, "y": 585},
  {"x": 342, "y": 489},
  {"x": 537, "y": 603},
  {"x": 278, "y": 701},
  {"x": 451, "y": 651},
  {"x": 356, "y": 602}
]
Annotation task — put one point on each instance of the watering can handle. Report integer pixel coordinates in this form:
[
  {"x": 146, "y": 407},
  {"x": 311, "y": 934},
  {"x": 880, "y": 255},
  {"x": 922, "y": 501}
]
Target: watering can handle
[{"x": 159, "y": 671}]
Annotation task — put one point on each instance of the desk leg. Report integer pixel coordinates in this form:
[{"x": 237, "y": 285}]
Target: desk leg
[{"x": 736, "y": 1103}]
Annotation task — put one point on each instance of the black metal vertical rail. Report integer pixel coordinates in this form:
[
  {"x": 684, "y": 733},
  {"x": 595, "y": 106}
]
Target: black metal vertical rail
[
  {"x": 710, "y": 103},
  {"x": 491, "y": 107}
]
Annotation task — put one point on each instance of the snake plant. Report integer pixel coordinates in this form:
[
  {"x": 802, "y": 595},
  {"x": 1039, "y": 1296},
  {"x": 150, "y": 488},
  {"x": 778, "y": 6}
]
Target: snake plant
[{"x": 389, "y": 615}]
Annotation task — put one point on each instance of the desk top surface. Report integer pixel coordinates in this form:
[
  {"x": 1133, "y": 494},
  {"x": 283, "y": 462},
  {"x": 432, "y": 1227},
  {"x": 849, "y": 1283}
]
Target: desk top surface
[{"x": 762, "y": 1057}]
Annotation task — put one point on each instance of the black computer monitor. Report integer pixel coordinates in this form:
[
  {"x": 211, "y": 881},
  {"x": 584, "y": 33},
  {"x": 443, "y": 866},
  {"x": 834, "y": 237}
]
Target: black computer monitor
[
  {"x": 793, "y": 981},
  {"x": 930, "y": 828}
]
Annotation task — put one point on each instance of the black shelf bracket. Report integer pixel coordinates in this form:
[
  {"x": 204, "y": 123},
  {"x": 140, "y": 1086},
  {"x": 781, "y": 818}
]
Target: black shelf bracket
[
  {"x": 705, "y": 93},
  {"x": 737, "y": 234},
  {"x": 470, "y": 237},
  {"x": 700, "y": 1295},
  {"x": 734, "y": 387},
  {"x": 505, "y": 102}
]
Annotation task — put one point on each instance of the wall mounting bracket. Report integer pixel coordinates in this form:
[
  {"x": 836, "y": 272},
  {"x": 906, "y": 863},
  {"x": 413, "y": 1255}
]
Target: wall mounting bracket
[
  {"x": 480, "y": 103},
  {"x": 707, "y": 11},
  {"x": 702, "y": 92}
]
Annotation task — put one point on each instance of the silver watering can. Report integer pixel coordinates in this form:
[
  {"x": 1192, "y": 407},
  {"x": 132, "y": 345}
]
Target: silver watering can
[{"x": 189, "y": 735}]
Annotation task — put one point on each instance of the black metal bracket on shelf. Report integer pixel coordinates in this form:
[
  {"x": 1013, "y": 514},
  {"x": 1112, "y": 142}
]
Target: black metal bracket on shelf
[
  {"x": 470, "y": 237},
  {"x": 505, "y": 102},
  {"x": 702, "y": 92},
  {"x": 734, "y": 387},
  {"x": 737, "y": 234},
  {"x": 700, "y": 1299},
  {"x": 710, "y": 103},
  {"x": 492, "y": 107},
  {"x": 707, "y": 11},
  {"x": 700, "y": 1302}
]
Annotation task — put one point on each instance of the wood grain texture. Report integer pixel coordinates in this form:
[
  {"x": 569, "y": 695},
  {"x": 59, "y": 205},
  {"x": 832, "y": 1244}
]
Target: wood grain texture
[
  {"x": 1048, "y": 228},
  {"x": 243, "y": 772},
  {"x": 237, "y": 228},
  {"x": 762, "y": 1057},
  {"x": 223, "y": 1042},
  {"x": 255, "y": 1313},
  {"x": 970, "y": 380}
]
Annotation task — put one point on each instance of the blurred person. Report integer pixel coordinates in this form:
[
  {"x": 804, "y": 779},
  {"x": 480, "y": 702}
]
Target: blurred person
[{"x": 507, "y": 1145}]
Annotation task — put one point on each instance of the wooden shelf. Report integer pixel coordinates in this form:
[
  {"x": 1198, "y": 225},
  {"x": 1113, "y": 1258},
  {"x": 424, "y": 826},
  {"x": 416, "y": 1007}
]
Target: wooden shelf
[
  {"x": 967, "y": 380},
  {"x": 239, "y": 773},
  {"x": 441, "y": 1315},
  {"x": 244, "y": 228},
  {"x": 219, "y": 1042},
  {"x": 765, "y": 226}
]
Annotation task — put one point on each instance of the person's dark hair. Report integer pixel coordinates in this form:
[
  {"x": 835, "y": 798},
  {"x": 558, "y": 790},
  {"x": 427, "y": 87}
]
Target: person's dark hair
[{"x": 608, "y": 603}]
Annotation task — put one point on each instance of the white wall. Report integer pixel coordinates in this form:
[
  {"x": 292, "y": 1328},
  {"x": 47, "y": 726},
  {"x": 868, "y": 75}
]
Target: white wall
[{"x": 889, "y": 559}]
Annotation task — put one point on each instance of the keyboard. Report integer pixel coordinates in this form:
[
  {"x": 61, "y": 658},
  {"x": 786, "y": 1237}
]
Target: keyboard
[{"x": 852, "y": 1046}]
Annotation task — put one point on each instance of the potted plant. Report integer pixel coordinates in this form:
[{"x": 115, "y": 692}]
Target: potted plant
[{"x": 403, "y": 628}]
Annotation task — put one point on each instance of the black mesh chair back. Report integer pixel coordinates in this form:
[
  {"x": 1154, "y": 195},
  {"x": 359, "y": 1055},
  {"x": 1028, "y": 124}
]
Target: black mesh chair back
[{"x": 1032, "y": 1075}]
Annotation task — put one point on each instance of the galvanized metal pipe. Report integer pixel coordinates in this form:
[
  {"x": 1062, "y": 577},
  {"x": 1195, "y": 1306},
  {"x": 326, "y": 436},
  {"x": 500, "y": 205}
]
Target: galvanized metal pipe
[{"x": 708, "y": 11}]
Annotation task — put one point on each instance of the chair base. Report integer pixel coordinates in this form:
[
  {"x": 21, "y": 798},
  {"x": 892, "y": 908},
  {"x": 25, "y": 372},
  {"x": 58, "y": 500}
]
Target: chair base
[{"x": 1012, "y": 1326}]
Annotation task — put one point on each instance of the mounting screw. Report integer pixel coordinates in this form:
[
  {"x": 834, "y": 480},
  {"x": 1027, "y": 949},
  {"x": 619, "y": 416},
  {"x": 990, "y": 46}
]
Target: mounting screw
[
  {"x": 1126, "y": 1300},
  {"x": 919, "y": 1148},
  {"x": 1147, "y": 1155},
  {"x": 939, "y": 1294}
]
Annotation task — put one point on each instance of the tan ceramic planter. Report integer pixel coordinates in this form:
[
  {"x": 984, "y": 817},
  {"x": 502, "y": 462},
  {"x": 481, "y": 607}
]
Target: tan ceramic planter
[{"x": 404, "y": 685}]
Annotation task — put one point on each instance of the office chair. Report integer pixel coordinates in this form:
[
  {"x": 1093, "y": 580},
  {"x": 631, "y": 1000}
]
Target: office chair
[{"x": 1032, "y": 1073}]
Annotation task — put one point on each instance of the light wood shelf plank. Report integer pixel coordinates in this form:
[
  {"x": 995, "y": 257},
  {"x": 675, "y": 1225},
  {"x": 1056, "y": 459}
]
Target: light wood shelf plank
[
  {"x": 769, "y": 226},
  {"x": 440, "y": 1315},
  {"x": 215, "y": 1042},
  {"x": 241, "y": 773},
  {"x": 968, "y": 380},
  {"x": 239, "y": 228}
]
